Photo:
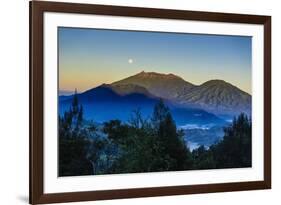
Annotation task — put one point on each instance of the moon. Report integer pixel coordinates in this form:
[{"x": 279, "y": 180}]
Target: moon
[{"x": 130, "y": 61}]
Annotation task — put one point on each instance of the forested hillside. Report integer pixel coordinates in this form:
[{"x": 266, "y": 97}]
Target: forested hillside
[{"x": 144, "y": 145}]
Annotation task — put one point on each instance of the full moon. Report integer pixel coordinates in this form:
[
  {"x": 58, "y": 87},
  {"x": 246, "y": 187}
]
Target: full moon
[{"x": 130, "y": 61}]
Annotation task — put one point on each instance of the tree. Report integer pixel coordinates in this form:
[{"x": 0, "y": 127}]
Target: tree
[
  {"x": 116, "y": 131},
  {"x": 235, "y": 150},
  {"x": 73, "y": 142},
  {"x": 174, "y": 145},
  {"x": 160, "y": 112},
  {"x": 203, "y": 158},
  {"x": 72, "y": 157},
  {"x": 75, "y": 105}
]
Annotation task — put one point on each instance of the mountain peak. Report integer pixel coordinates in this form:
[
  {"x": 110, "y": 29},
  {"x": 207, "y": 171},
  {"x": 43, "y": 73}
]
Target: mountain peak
[
  {"x": 166, "y": 86},
  {"x": 219, "y": 97},
  {"x": 215, "y": 82},
  {"x": 144, "y": 74},
  {"x": 221, "y": 84}
]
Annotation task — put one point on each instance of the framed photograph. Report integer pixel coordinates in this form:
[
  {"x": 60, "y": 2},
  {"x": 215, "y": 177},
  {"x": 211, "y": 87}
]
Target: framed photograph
[{"x": 139, "y": 102}]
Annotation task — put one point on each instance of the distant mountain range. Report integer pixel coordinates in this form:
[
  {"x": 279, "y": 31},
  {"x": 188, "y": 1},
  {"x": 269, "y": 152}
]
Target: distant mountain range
[
  {"x": 208, "y": 103},
  {"x": 216, "y": 96},
  {"x": 103, "y": 103}
]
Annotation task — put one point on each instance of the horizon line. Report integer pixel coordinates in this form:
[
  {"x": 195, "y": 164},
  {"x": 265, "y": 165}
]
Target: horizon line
[{"x": 78, "y": 91}]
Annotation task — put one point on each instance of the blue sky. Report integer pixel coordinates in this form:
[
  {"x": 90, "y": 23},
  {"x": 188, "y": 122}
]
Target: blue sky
[{"x": 90, "y": 57}]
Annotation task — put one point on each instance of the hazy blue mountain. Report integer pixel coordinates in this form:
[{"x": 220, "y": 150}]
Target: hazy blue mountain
[
  {"x": 190, "y": 104},
  {"x": 216, "y": 96},
  {"x": 105, "y": 103},
  {"x": 102, "y": 104},
  {"x": 64, "y": 97}
]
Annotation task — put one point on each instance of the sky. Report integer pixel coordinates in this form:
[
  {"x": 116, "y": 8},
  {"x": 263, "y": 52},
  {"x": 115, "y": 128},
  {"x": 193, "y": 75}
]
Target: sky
[{"x": 91, "y": 57}]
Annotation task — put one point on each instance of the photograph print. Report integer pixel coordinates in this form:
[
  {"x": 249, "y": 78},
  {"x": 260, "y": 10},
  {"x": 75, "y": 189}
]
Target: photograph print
[{"x": 143, "y": 101}]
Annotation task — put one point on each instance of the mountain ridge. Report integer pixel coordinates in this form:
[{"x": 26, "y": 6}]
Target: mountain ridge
[
  {"x": 216, "y": 96},
  {"x": 161, "y": 85},
  {"x": 103, "y": 104},
  {"x": 173, "y": 76}
]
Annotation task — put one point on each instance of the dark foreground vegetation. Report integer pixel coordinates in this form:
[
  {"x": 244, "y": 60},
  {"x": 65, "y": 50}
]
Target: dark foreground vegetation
[{"x": 144, "y": 145}]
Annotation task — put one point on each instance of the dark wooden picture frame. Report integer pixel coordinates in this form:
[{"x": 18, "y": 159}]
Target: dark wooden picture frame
[{"x": 37, "y": 8}]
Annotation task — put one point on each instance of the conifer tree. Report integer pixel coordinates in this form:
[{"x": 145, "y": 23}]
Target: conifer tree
[
  {"x": 160, "y": 112},
  {"x": 73, "y": 142}
]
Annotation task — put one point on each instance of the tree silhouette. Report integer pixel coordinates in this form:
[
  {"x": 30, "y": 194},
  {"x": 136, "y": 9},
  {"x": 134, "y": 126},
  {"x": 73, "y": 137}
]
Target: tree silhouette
[
  {"x": 160, "y": 112},
  {"x": 235, "y": 150},
  {"x": 172, "y": 140},
  {"x": 73, "y": 142}
]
